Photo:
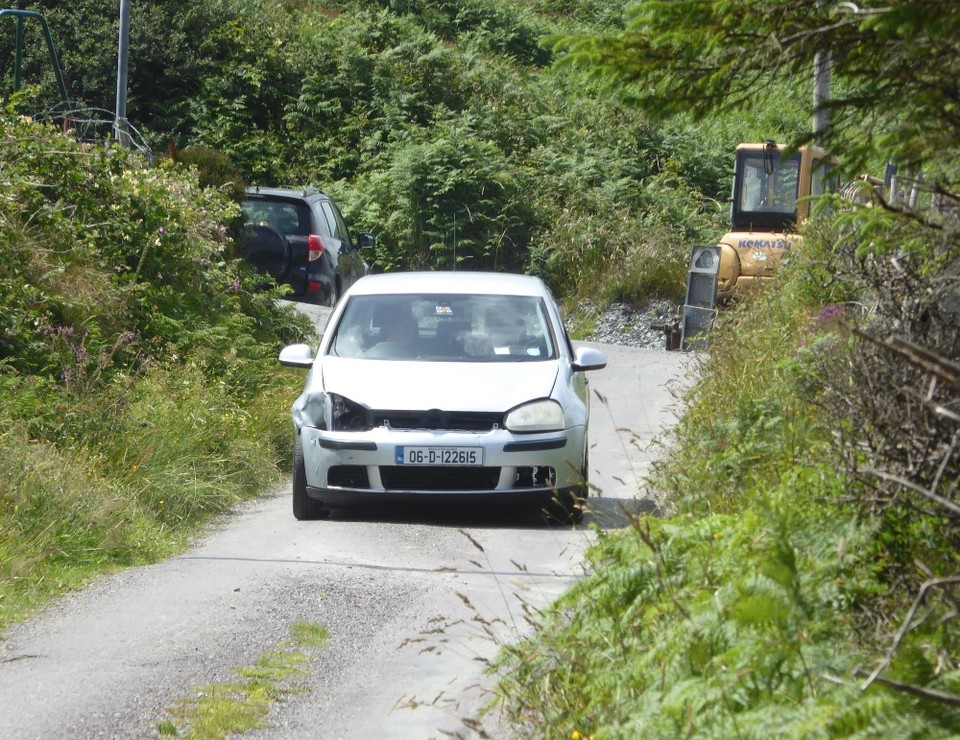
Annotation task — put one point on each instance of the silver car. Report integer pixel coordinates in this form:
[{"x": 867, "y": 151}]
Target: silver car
[{"x": 446, "y": 384}]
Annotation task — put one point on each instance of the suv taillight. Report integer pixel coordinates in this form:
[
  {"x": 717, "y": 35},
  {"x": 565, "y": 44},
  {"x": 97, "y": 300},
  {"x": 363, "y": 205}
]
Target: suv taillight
[{"x": 315, "y": 248}]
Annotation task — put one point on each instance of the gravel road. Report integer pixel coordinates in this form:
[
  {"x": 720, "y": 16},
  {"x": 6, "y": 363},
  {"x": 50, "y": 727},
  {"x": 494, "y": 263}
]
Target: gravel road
[{"x": 416, "y": 599}]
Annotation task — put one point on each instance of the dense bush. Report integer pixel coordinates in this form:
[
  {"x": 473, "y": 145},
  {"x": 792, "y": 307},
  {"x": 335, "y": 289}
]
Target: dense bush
[
  {"x": 502, "y": 28},
  {"x": 770, "y": 594},
  {"x": 897, "y": 388},
  {"x": 438, "y": 125},
  {"x": 214, "y": 170},
  {"x": 111, "y": 262},
  {"x": 169, "y": 57},
  {"x": 806, "y": 582},
  {"x": 139, "y": 391}
]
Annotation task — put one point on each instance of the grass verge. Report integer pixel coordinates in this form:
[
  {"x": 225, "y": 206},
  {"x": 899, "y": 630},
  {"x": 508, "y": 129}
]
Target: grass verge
[
  {"x": 753, "y": 609},
  {"x": 157, "y": 458},
  {"x": 237, "y": 707}
]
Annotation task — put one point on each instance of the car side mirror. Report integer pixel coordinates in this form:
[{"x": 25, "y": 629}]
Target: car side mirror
[
  {"x": 588, "y": 358},
  {"x": 297, "y": 355},
  {"x": 366, "y": 241}
]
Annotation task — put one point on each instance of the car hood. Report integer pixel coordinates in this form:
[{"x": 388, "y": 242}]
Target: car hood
[{"x": 460, "y": 386}]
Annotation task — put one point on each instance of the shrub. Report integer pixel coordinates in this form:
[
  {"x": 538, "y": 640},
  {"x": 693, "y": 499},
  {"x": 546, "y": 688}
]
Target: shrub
[
  {"x": 214, "y": 170},
  {"x": 139, "y": 392}
]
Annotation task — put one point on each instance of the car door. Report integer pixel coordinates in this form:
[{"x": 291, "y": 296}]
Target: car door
[{"x": 350, "y": 266}]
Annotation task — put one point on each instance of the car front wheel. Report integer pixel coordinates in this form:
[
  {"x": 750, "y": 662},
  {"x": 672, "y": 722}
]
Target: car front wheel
[{"x": 304, "y": 507}]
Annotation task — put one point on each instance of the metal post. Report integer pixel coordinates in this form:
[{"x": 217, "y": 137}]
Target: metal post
[
  {"x": 120, "y": 127},
  {"x": 21, "y": 15},
  {"x": 823, "y": 65},
  {"x": 17, "y": 77},
  {"x": 914, "y": 198}
]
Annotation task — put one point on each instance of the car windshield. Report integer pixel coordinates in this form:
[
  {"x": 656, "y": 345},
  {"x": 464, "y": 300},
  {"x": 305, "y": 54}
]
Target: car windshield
[{"x": 445, "y": 328}]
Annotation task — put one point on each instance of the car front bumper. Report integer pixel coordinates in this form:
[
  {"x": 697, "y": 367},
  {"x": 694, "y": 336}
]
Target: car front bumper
[{"x": 349, "y": 466}]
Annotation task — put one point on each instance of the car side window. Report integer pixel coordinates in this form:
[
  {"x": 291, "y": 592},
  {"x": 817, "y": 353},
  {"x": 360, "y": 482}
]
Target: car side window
[
  {"x": 336, "y": 222},
  {"x": 322, "y": 222}
]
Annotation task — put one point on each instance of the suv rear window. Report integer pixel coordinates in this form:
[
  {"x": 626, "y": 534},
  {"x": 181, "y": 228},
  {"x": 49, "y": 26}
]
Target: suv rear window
[{"x": 286, "y": 217}]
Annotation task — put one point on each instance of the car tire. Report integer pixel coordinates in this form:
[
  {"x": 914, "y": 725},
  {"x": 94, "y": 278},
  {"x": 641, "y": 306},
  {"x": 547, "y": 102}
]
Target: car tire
[
  {"x": 334, "y": 293},
  {"x": 568, "y": 507},
  {"x": 304, "y": 507}
]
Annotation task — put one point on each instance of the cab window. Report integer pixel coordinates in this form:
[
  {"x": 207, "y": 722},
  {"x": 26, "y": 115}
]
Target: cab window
[{"x": 769, "y": 183}]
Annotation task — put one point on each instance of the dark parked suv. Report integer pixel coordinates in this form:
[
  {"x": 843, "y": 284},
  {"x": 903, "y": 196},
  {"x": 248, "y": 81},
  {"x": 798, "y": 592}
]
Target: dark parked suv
[{"x": 300, "y": 239}]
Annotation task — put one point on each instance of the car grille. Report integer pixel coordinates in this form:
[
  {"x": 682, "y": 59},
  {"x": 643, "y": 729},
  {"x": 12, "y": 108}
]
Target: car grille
[
  {"x": 461, "y": 421},
  {"x": 415, "y": 478}
]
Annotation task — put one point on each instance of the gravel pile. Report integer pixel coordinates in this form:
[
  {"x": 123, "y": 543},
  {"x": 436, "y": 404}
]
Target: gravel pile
[{"x": 634, "y": 327}]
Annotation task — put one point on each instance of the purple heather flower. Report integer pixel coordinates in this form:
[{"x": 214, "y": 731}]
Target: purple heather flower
[{"x": 831, "y": 313}]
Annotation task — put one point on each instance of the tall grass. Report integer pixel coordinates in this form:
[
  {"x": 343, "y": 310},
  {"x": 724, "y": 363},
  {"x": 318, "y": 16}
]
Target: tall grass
[
  {"x": 750, "y": 417},
  {"x": 158, "y": 458},
  {"x": 139, "y": 389},
  {"x": 743, "y": 613}
]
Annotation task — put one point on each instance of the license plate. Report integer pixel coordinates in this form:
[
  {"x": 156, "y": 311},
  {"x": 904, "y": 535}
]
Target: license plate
[{"x": 439, "y": 455}]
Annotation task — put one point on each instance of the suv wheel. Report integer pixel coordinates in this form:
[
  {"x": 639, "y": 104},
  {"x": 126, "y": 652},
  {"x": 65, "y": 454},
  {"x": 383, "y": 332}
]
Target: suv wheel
[{"x": 334, "y": 297}]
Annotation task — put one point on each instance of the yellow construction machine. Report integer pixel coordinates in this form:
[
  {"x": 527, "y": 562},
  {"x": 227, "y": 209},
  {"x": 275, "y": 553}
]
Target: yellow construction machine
[
  {"x": 772, "y": 186},
  {"x": 771, "y": 190}
]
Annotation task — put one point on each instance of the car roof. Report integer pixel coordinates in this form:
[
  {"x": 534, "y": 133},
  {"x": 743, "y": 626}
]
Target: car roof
[
  {"x": 299, "y": 193},
  {"x": 489, "y": 283}
]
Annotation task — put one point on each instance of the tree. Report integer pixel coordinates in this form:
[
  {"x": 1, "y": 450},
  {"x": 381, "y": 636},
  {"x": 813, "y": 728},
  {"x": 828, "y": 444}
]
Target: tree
[
  {"x": 891, "y": 393},
  {"x": 896, "y": 65},
  {"x": 170, "y": 55}
]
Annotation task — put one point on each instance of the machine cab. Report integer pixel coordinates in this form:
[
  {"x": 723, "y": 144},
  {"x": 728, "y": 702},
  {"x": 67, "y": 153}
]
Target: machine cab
[
  {"x": 770, "y": 187},
  {"x": 771, "y": 190}
]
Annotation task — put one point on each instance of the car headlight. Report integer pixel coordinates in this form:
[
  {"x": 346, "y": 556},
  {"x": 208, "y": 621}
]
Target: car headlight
[
  {"x": 537, "y": 416},
  {"x": 348, "y": 416},
  {"x": 333, "y": 412}
]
